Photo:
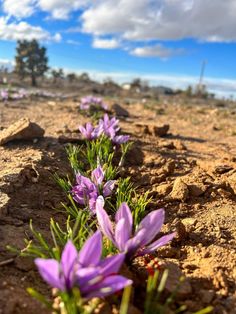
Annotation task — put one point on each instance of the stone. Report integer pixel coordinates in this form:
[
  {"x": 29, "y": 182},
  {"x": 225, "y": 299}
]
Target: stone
[
  {"x": 196, "y": 189},
  {"x": 180, "y": 190},
  {"x": 23, "y": 129},
  {"x": 179, "y": 145},
  {"x": 181, "y": 232},
  {"x": 154, "y": 130},
  {"x": 174, "y": 277},
  {"x": 232, "y": 182},
  {"x": 221, "y": 169},
  {"x": 4, "y": 198},
  {"x": 168, "y": 144},
  {"x": 169, "y": 167},
  {"x": 120, "y": 111},
  {"x": 161, "y": 130},
  {"x": 189, "y": 222},
  {"x": 163, "y": 189}
]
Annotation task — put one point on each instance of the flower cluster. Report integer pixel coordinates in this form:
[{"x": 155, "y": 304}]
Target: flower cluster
[
  {"x": 121, "y": 233},
  {"x": 106, "y": 126},
  {"x": 95, "y": 277},
  {"x": 4, "y": 95},
  {"x": 91, "y": 101},
  {"x": 86, "y": 270},
  {"x": 86, "y": 191},
  {"x": 7, "y": 94}
]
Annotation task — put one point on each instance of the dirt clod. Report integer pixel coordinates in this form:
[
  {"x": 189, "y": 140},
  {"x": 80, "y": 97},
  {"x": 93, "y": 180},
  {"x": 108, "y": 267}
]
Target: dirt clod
[{"x": 180, "y": 190}]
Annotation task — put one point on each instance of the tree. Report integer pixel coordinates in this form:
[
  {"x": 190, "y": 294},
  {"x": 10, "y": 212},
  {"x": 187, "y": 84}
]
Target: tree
[
  {"x": 57, "y": 75},
  {"x": 31, "y": 60},
  {"x": 71, "y": 77},
  {"x": 189, "y": 91}
]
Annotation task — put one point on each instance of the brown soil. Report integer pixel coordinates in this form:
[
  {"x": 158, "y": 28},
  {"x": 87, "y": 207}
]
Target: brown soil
[{"x": 191, "y": 172}]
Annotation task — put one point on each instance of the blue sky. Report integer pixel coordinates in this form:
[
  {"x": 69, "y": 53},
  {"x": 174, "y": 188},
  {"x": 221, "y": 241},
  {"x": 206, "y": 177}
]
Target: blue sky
[{"x": 161, "y": 41}]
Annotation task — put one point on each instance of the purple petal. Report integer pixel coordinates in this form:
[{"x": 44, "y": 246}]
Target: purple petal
[
  {"x": 69, "y": 259},
  {"x": 108, "y": 187},
  {"x": 121, "y": 234},
  {"x": 155, "y": 245},
  {"x": 92, "y": 201},
  {"x": 49, "y": 270},
  {"x": 108, "y": 286},
  {"x": 97, "y": 175},
  {"x": 152, "y": 223},
  {"x": 111, "y": 265},
  {"x": 135, "y": 243},
  {"x": 85, "y": 275},
  {"x": 121, "y": 139},
  {"x": 85, "y": 182},
  {"x": 82, "y": 130},
  {"x": 98, "y": 131},
  {"x": 91, "y": 252},
  {"x": 124, "y": 212},
  {"x": 104, "y": 220}
]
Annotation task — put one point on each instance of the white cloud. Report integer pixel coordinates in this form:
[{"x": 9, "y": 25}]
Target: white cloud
[
  {"x": 60, "y": 9},
  {"x": 105, "y": 43},
  {"x": 6, "y": 63},
  {"x": 19, "y": 8},
  {"x": 156, "y": 51},
  {"x": 73, "y": 42},
  {"x": 22, "y": 30},
  {"x": 206, "y": 20}
]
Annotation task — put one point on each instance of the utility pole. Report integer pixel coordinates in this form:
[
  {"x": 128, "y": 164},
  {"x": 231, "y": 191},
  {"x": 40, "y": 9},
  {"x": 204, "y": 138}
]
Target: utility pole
[{"x": 200, "y": 85}]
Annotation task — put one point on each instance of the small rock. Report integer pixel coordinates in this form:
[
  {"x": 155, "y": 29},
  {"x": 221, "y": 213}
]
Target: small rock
[
  {"x": 173, "y": 280},
  {"x": 232, "y": 182},
  {"x": 169, "y": 145},
  {"x": 181, "y": 233},
  {"x": 163, "y": 189},
  {"x": 29, "y": 173},
  {"x": 196, "y": 189},
  {"x": 179, "y": 145},
  {"x": 161, "y": 130},
  {"x": 189, "y": 221},
  {"x": 120, "y": 111},
  {"x": 206, "y": 295},
  {"x": 4, "y": 198},
  {"x": 169, "y": 167},
  {"x": 220, "y": 169},
  {"x": 153, "y": 129},
  {"x": 52, "y": 103},
  {"x": 23, "y": 129},
  {"x": 143, "y": 128},
  {"x": 180, "y": 190}
]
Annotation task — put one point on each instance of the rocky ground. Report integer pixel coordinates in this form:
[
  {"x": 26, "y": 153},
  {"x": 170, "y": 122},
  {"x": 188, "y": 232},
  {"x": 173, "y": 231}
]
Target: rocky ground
[{"x": 184, "y": 154}]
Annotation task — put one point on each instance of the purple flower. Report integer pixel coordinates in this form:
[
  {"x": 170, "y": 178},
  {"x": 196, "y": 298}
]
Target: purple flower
[
  {"x": 136, "y": 243},
  {"x": 94, "y": 277},
  {"x": 60, "y": 275},
  {"x": 106, "y": 126},
  {"x": 86, "y": 191},
  {"x": 4, "y": 95},
  {"x": 109, "y": 126},
  {"x": 88, "y": 131},
  {"x": 88, "y": 101}
]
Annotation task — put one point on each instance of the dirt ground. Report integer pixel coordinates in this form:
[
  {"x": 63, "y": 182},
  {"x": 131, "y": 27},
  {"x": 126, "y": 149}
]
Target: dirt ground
[{"x": 191, "y": 172}]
